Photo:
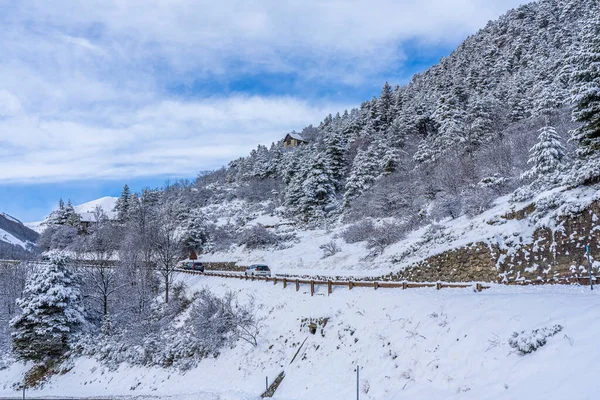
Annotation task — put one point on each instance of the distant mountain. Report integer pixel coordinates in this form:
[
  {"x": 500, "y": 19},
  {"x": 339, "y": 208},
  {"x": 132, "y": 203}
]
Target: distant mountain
[
  {"x": 107, "y": 204},
  {"x": 16, "y": 240}
]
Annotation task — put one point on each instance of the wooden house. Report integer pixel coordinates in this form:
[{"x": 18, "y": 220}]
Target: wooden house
[{"x": 293, "y": 140}]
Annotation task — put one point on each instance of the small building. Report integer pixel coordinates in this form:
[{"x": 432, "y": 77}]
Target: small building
[
  {"x": 293, "y": 140},
  {"x": 86, "y": 220}
]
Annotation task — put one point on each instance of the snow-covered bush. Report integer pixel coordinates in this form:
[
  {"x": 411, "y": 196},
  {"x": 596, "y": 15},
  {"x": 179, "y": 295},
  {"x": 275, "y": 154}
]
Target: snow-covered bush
[
  {"x": 179, "y": 334},
  {"x": 358, "y": 232},
  {"x": 385, "y": 235},
  {"x": 523, "y": 193},
  {"x": 477, "y": 200},
  {"x": 528, "y": 342},
  {"x": 330, "y": 248},
  {"x": 221, "y": 237},
  {"x": 258, "y": 237},
  {"x": 447, "y": 205}
]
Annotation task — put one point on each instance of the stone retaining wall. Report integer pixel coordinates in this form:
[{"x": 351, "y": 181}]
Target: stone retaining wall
[{"x": 552, "y": 256}]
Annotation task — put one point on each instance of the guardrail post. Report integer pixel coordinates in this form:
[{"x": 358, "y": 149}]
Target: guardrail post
[
  {"x": 297, "y": 285},
  {"x": 376, "y": 285},
  {"x": 312, "y": 287},
  {"x": 350, "y": 285},
  {"x": 253, "y": 277},
  {"x": 329, "y": 288},
  {"x": 404, "y": 285},
  {"x": 438, "y": 285},
  {"x": 478, "y": 287},
  {"x": 284, "y": 283},
  {"x": 274, "y": 281}
]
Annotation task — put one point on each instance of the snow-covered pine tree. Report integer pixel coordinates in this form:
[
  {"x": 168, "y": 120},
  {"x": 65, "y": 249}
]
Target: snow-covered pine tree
[
  {"x": 261, "y": 162},
  {"x": 586, "y": 91},
  {"x": 365, "y": 170},
  {"x": 275, "y": 160},
  {"x": 51, "y": 313},
  {"x": 335, "y": 151},
  {"x": 546, "y": 155},
  {"x": 195, "y": 236},
  {"x": 318, "y": 188},
  {"x": 70, "y": 217},
  {"x": 392, "y": 146},
  {"x": 385, "y": 108},
  {"x": 122, "y": 204}
]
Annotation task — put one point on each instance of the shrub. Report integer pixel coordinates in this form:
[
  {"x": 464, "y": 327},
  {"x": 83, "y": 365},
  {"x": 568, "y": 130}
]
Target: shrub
[
  {"x": 526, "y": 343},
  {"x": 258, "y": 237},
  {"x": 385, "y": 235},
  {"x": 358, "y": 232},
  {"x": 330, "y": 248}
]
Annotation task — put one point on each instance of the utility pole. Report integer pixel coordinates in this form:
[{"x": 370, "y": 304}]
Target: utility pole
[
  {"x": 357, "y": 383},
  {"x": 587, "y": 251}
]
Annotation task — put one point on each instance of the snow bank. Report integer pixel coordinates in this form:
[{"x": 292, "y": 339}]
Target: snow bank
[{"x": 417, "y": 344}]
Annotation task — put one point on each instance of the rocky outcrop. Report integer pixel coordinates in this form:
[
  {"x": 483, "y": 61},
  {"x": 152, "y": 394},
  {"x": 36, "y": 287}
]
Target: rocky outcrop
[{"x": 552, "y": 255}]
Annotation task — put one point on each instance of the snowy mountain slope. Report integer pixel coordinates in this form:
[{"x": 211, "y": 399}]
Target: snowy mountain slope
[
  {"x": 13, "y": 232},
  {"x": 492, "y": 227},
  {"x": 418, "y": 344},
  {"x": 107, "y": 204}
]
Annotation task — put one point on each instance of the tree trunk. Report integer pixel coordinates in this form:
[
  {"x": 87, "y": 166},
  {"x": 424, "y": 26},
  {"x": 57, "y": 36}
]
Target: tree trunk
[{"x": 166, "y": 289}]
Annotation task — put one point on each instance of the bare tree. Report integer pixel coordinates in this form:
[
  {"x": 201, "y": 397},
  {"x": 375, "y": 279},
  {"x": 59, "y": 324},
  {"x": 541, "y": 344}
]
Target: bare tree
[
  {"x": 98, "y": 269},
  {"x": 167, "y": 246}
]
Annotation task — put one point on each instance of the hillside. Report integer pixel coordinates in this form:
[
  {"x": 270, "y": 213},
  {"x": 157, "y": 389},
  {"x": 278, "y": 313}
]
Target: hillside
[
  {"x": 428, "y": 171},
  {"x": 15, "y": 238}
]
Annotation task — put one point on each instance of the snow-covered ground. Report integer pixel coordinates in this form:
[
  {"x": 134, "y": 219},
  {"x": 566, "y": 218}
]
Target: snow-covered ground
[{"x": 413, "y": 344}]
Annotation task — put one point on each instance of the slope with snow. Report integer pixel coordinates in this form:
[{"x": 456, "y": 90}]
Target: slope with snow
[
  {"x": 417, "y": 344},
  {"x": 107, "y": 204},
  {"x": 13, "y": 232}
]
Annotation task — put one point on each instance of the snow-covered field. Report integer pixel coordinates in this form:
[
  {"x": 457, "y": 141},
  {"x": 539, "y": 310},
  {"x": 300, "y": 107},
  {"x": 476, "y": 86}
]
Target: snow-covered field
[{"x": 417, "y": 344}]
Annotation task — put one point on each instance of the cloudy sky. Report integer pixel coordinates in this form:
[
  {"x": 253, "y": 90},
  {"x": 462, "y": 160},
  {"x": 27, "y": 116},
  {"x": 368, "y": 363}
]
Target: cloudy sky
[{"x": 98, "y": 93}]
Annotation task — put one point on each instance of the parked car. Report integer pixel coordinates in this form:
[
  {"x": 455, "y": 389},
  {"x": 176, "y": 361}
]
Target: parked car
[
  {"x": 193, "y": 266},
  {"x": 258, "y": 270}
]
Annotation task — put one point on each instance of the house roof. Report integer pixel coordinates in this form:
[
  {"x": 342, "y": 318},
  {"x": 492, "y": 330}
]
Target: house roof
[
  {"x": 296, "y": 136},
  {"x": 88, "y": 217}
]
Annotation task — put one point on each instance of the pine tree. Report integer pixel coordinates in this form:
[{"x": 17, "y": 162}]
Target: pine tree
[
  {"x": 318, "y": 189},
  {"x": 385, "y": 108},
  {"x": 365, "y": 170},
  {"x": 586, "y": 91},
  {"x": 335, "y": 151},
  {"x": 51, "y": 313},
  {"x": 122, "y": 205},
  {"x": 546, "y": 155},
  {"x": 195, "y": 236},
  {"x": 392, "y": 147},
  {"x": 70, "y": 217},
  {"x": 261, "y": 162}
]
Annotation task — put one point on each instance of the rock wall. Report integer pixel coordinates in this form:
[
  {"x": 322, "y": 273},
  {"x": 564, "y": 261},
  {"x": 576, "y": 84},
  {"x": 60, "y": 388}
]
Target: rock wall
[
  {"x": 223, "y": 266},
  {"x": 553, "y": 255}
]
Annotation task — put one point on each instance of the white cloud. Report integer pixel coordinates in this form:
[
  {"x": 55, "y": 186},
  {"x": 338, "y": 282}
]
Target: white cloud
[
  {"x": 168, "y": 137},
  {"x": 84, "y": 86}
]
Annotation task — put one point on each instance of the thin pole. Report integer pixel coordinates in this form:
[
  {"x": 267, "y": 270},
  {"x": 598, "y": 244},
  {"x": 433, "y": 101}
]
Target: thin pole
[
  {"x": 357, "y": 382},
  {"x": 587, "y": 250},
  {"x": 267, "y": 385}
]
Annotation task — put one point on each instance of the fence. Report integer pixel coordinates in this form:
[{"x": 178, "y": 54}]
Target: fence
[{"x": 330, "y": 283}]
